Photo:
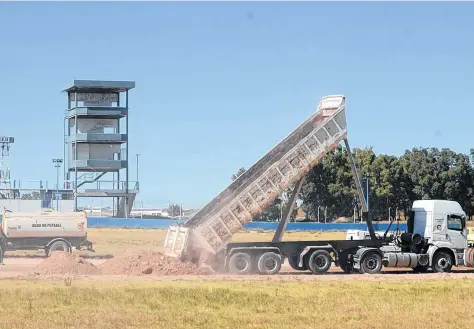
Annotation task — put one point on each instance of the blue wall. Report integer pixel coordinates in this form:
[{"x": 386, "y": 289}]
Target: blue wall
[
  {"x": 130, "y": 223},
  {"x": 164, "y": 223}
]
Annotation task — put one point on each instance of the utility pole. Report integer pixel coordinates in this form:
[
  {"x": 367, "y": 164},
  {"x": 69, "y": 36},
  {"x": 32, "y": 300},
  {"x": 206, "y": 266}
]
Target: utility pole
[{"x": 57, "y": 164}]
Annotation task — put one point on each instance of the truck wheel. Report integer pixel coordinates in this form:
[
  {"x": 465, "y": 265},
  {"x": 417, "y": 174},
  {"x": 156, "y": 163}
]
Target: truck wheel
[
  {"x": 319, "y": 261},
  {"x": 442, "y": 262},
  {"x": 371, "y": 263},
  {"x": 58, "y": 246},
  {"x": 269, "y": 263},
  {"x": 240, "y": 263},
  {"x": 293, "y": 262}
]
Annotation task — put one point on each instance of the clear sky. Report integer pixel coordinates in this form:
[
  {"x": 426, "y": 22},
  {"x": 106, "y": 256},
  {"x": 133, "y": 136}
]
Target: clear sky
[{"x": 219, "y": 84}]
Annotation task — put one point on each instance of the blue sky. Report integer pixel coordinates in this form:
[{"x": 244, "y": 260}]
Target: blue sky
[{"x": 218, "y": 84}]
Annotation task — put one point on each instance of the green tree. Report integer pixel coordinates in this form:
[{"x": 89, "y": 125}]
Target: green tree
[
  {"x": 329, "y": 184},
  {"x": 394, "y": 182},
  {"x": 175, "y": 210},
  {"x": 271, "y": 213}
]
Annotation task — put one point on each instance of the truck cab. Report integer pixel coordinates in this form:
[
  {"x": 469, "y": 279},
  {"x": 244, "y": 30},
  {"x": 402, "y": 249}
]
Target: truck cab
[
  {"x": 442, "y": 225},
  {"x": 436, "y": 238},
  {"x": 439, "y": 222}
]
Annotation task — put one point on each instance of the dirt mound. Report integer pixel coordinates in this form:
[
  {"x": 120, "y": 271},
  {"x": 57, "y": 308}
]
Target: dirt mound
[
  {"x": 149, "y": 263},
  {"x": 60, "y": 262}
]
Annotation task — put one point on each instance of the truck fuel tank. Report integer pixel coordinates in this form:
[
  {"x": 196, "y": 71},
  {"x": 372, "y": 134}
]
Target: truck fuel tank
[{"x": 404, "y": 259}]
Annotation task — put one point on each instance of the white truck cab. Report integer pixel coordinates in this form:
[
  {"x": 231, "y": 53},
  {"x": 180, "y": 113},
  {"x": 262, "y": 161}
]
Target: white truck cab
[
  {"x": 436, "y": 237},
  {"x": 442, "y": 224}
]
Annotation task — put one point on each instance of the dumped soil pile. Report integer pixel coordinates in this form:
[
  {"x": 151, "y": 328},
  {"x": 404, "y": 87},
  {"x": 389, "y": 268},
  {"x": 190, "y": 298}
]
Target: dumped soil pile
[
  {"x": 60, "y": 262},
  {"x": 149, "y": 263}
]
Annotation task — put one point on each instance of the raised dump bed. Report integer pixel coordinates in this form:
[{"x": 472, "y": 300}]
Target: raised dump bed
[{"x": 211, "y": 228}]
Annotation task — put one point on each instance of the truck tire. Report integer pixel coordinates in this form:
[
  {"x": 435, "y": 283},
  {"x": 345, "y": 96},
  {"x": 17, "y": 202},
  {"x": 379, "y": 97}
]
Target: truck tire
[
  {"x": 371, "y": 263},
  {"x": 58, "y": 246},
  {"x": 240, "y": 263},
  {"x": 319, "y": 261},
  {"x": 442, "y": 262},
  {"x": 269, "y": 263},
  {"x": 293, "y": 261}
]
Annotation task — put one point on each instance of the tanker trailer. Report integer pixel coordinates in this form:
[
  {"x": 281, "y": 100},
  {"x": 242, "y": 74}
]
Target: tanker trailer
[{"x": 48, "y": 230}]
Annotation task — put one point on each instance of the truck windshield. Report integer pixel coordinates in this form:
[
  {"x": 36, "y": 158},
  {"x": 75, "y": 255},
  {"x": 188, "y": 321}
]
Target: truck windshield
[{"x": 456, "y": 222}]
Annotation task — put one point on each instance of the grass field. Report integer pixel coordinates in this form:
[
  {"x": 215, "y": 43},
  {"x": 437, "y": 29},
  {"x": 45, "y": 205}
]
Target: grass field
[
  {"x": 113, "y": 241},
  {"x": 150, "y": 304}
]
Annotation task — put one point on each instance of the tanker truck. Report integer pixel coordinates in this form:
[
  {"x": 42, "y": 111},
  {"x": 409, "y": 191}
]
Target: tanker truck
[
  {"x": 206, "y": 237},
  {"x": 47, "y": 229}
]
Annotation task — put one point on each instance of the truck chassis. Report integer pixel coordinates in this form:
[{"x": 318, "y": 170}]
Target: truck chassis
[{"x": 48, "y": 244}]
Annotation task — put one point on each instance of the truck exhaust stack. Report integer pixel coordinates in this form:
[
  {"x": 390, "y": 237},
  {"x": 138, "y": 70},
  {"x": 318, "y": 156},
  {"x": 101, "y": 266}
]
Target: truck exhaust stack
[{"x": 211, "y": 229}]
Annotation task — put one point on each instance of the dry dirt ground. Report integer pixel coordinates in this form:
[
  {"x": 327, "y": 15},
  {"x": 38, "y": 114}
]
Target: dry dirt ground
[{"x": 115, "y": 244}]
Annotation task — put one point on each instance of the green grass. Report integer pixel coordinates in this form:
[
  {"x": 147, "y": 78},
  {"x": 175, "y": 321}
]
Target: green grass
[{"x": 150, "y": 304}]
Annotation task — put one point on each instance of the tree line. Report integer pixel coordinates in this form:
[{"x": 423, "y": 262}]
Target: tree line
[{"x": 394, "y": 183}]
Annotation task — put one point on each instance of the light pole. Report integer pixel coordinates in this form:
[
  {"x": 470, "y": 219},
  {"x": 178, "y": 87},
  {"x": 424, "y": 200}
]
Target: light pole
[
  {"x": 366, "y": 178},
  {"x": 57, "y": 164},
  {"x": 138, "y": 184}
]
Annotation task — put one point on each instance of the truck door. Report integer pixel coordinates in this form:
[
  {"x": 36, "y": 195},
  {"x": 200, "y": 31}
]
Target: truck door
[
  {"x": 421, "y": 220},
  {"x": 456, "y": 232}
]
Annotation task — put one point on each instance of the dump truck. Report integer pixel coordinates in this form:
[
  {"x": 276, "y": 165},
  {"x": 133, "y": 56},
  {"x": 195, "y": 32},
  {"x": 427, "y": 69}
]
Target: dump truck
[
  {"x": 206, "y": 237},
  {"x": 436, "y": 239},
  {"x": 47, "y": 229},
  {"x": 207, "y": 234}
]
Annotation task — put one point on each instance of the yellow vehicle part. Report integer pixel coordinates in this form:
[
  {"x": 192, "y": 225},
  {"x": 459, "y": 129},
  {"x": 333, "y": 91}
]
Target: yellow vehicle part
[{"x": 470, "y": 236}]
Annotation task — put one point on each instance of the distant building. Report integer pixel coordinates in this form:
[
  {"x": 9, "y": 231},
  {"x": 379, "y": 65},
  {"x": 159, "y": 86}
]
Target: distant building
[
  {"x": 161, "y": 213},
  {"x": 150, "y": 212}
]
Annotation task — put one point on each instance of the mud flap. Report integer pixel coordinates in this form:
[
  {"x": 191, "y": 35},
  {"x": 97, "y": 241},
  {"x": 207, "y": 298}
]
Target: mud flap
[{"x": 87, "y": 244}]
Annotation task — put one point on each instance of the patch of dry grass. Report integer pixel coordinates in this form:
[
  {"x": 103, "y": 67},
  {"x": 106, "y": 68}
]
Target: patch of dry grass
[
  {"x": 152, "y": 304},
  {"x": 113, "y": 241}
]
